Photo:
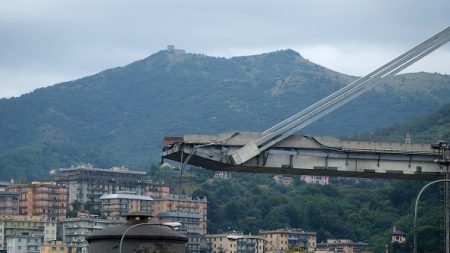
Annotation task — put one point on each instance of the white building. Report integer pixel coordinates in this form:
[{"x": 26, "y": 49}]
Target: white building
[
  {"x": 283, "y": 180},
  {"x": 120, "y": 204},
  {"x": 24, "y": 244},
  {"x": 75, "y": 230}
]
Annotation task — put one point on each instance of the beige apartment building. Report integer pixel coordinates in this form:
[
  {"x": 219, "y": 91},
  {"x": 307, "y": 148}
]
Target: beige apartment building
[
  {"x": 117, "y": 205},
  {"x": 284, "y": 239},
  {"x": 54, "y": 247},
  {"x": 18, "y": 226},
  {"x": 45, "y": 199},
  {"x": 220, "y": 243},
  {"x": 190, "y": 212}
]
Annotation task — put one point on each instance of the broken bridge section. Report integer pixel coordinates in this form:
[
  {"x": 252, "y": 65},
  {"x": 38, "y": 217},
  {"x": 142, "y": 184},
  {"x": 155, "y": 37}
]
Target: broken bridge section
[{"x": 308, "y": 155}]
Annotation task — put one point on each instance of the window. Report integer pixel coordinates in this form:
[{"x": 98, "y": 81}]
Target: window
[
  {"x": 419, "y": 169},
  {"x": 53, "y": 248}
]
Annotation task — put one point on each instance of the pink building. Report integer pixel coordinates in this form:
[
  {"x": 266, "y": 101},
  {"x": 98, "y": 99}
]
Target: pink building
[{"x": 322, "y": 180}]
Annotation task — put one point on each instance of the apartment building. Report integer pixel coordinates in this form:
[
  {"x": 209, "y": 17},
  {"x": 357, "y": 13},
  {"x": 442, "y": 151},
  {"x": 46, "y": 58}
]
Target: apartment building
[
  {"x": 310, "y": 179},
  {"x": 219, "y": 243},
  {"x": 224, "y": 175},
  {"x": 86, "y": 183},
  {"x": 9, "y": 203},
  {"x": 284, "y": 239},
  {"x": 190, "y": 212},
  {"x": 341, "y": 246},
  {"x": 55, "y": 247},
  {"x": 26, "y": 243},
  {"x": 75, "y": 231},
  {"x": 22, "y": 226},
  {"x": 45, "y": 199},
  {"x": 117, "y": 205},
  {"x": 283, "y": 180},
  {"x": 4, "y": 185}
]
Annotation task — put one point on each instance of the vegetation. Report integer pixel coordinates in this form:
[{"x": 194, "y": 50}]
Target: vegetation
[
  {"x": 358, "y": 209},
  {"x": 425, "y": 129}
]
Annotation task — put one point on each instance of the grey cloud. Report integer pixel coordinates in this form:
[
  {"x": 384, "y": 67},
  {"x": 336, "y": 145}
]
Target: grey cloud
[{"x": 66, "y": 38}]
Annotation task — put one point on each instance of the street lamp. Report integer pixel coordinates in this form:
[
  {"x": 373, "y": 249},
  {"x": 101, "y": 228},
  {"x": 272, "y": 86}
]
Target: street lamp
[
  {"x": 241, "y": 237},
  {"x": 415, "y": 211}
]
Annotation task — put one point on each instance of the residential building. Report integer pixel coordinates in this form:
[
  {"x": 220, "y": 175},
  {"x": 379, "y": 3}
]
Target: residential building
[
  {"x": 341, "y": 245},
  {"x": 283, "y": 180},
  {"x": 190, "y": 212},
  {"x": 19, "y": 225},
  {"x": 75, "y": 230},
  {"x": 117, "y": 205},
  {"x": 284, "y": 239},
  {"x": 220, "y": 243},
  {"x": 87, "y": 184},
  {"x": 45, "y": 199},
  {"x": 222, "y": 175},
  {"x": 397, "y": 235},
  {"x": 9, "y": 203},
  {"x": 4, "y": 185},
  {"x": 25, "y": 243},
  {"x": 55, "y": 247},
  {"x": 310, "y": 179}
]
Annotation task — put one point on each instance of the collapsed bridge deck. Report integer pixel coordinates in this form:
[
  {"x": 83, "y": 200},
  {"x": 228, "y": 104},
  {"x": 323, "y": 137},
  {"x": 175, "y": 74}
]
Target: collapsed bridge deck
[{"x": 308, "y": 155}]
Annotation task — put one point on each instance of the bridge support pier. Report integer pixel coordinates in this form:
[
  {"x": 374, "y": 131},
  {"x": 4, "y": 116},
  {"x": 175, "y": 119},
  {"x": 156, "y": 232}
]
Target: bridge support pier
[{"x": 444, "y": 161}]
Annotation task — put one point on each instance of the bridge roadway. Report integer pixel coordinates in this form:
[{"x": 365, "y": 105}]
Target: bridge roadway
[{"x": 307, "y": 155}]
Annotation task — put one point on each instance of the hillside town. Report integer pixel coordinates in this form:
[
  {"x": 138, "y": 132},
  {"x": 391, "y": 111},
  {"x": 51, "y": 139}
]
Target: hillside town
[{"x": 57, "y": 215}]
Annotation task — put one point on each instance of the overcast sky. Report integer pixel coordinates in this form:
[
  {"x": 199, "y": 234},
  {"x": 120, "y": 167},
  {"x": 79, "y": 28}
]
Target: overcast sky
[{"x": 44, "y": 42}]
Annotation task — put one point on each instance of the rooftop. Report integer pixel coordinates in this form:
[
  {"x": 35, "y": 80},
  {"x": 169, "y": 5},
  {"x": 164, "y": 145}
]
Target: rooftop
[
  {"x": 125, "y": 196},
  {"x": 89, "y": 167}
]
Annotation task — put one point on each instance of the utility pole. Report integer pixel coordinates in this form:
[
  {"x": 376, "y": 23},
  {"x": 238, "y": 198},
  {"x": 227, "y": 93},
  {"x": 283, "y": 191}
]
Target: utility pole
[{"x": 444, "y": 161}]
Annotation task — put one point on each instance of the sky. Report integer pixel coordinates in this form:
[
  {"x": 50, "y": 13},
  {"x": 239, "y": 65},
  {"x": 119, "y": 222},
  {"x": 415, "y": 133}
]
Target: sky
[{"x": 44, "y": 42}]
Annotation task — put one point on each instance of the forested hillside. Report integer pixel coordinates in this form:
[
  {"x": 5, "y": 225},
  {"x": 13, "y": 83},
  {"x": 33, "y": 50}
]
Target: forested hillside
[
  {"x": 119, "y": 116},
  {"x": 358, "y": 209},
  {"x": 428, "y": 128}
]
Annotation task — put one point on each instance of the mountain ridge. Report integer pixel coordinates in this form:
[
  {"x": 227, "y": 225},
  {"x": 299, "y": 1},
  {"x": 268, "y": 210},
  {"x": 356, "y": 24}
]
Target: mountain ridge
[{"x": 123, "y": 113}]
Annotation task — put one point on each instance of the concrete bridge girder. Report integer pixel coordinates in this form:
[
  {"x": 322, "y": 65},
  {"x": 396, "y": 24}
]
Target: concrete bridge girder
[{"x": 306, "y": 155}]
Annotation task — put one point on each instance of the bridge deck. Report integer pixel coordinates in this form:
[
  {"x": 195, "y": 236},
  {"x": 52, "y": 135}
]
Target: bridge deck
[{"x": 306, "y": 155}]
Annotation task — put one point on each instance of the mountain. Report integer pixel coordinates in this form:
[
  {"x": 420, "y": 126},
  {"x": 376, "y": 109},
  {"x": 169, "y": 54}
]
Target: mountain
[
  {"x": 119, "y": 116},
  {"x": 426, "y": 129}
]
